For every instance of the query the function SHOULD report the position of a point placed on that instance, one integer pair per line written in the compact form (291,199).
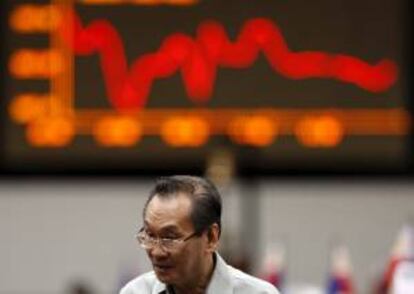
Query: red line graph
(199,58)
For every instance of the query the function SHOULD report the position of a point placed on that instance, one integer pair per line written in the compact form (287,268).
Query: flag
(402,251)
(340,280)
(273,265)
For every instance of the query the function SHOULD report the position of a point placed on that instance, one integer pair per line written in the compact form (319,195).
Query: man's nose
(157,251)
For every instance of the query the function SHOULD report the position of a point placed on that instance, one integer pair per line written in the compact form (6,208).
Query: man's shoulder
(141,284)
(246,283)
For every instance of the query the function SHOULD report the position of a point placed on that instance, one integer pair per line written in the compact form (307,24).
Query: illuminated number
(255,130)
(27,107)
(139,2)
(117,131)
(50,132)
(185,131)
(35,64)
(34,18)
(102,2)
(319,131)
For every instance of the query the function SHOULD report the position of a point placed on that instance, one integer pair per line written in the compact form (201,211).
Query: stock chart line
(199,58)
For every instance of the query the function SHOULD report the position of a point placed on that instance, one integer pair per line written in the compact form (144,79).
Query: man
(181,231)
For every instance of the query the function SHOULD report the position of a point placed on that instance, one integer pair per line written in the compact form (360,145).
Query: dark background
(370,30)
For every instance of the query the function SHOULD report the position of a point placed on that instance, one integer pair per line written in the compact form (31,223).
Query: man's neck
(199,287)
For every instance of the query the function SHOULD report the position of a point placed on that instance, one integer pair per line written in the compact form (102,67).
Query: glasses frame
(166,244)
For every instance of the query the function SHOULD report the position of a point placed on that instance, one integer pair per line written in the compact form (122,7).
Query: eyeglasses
(167,244)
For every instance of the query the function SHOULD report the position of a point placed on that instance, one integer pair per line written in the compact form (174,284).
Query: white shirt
(225,280)
(403,279)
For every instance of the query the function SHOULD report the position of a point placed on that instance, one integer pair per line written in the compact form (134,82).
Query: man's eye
(149,234)
(171,237)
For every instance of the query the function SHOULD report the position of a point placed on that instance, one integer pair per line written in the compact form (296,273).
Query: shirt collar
(220,280)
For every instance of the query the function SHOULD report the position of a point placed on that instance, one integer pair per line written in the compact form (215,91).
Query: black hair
(205,198)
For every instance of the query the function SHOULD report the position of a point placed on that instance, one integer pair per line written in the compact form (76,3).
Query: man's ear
(213,236)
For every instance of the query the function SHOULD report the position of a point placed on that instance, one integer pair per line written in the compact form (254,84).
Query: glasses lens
(143,240)
(148,242)
(169,244)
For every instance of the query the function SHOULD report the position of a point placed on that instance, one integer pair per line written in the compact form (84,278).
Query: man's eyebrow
(166,229)
(170,228)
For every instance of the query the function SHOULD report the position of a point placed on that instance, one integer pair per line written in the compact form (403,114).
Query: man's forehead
(179,202)
(171,211)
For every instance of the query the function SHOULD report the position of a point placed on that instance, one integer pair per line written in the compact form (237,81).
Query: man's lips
(162,267)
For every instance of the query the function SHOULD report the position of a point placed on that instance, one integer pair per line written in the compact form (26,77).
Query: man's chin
(164,275)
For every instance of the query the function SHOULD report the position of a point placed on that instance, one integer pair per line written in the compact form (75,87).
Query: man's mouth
(162,267)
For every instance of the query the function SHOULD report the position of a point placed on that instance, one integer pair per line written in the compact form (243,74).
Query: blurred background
(300,112)
(55,234)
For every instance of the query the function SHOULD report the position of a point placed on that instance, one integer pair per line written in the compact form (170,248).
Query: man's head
(182,225)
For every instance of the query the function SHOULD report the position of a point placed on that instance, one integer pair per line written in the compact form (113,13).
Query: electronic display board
(142,86)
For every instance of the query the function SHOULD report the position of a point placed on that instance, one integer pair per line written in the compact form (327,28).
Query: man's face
(170,218)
